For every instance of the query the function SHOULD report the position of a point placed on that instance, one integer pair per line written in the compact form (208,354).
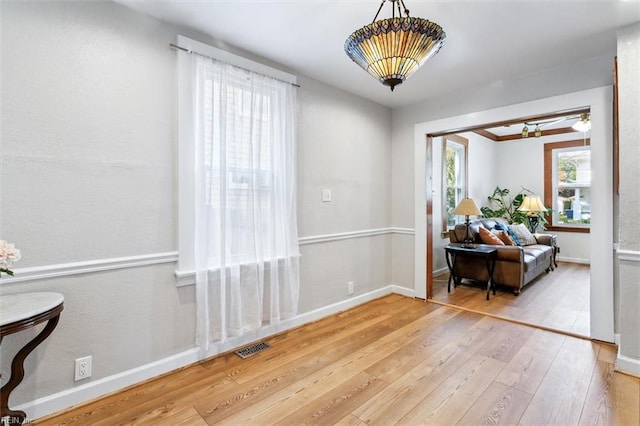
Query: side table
(20,312)
(489,254)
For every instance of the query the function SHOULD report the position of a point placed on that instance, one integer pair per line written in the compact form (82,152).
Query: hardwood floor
(558,299)
(394,360)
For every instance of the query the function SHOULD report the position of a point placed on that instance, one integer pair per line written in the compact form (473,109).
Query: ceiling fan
(582,124)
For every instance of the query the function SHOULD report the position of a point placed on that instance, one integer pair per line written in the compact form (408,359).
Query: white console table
(19,312)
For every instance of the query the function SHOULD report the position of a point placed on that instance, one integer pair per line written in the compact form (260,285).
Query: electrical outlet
(83,368)
(350,287)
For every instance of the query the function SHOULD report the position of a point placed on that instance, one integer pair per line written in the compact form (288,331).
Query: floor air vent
(252,350)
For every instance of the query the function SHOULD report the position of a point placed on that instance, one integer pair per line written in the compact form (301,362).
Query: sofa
(516,265)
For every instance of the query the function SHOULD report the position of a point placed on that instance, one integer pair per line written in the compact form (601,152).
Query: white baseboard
(80,394)
(574,260)
(441,271)
(66,399)
(305,318)
(409,292)
(628,365)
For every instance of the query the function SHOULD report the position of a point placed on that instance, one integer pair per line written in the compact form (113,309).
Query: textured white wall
(89,163)
(343,146)
(629,119)
(484,166)
(629,199)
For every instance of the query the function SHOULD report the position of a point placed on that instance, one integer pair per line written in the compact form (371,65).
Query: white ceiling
(487,40)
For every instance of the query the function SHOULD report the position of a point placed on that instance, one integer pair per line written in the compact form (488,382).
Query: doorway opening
(572,268)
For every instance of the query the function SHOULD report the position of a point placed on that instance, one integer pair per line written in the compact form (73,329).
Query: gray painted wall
(89,166)
(629,197)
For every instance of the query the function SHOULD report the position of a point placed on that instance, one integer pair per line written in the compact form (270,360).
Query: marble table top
(16,307)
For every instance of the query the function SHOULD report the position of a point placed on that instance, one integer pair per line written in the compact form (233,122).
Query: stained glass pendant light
(393,49)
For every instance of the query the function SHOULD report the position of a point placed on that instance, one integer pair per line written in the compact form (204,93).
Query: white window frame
(185,272)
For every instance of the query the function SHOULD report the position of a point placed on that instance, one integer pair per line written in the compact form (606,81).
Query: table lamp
(467,207)
(532,205)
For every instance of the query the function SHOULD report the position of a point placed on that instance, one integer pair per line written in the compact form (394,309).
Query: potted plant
(502,204)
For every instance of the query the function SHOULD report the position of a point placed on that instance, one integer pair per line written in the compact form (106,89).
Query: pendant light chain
(406,11)
(378,13)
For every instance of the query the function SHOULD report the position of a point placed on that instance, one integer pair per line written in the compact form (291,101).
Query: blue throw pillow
(514,236)
(502,227)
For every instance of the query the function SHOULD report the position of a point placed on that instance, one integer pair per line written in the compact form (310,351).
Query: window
(239,171)
(567,177)
(454,179)
(236,160)
(238,236)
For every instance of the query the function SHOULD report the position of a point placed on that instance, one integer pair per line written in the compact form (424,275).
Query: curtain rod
(184,49)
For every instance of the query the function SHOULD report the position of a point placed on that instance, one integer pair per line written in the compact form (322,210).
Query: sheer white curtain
(246,239)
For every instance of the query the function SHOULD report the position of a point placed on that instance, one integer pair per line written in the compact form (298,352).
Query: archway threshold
(516,321)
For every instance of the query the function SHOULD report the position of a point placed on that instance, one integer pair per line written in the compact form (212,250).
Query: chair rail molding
(628,255)
(353,234)
(183,277)
(86,267)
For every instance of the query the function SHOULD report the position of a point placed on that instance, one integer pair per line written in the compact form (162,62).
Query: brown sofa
(516,266)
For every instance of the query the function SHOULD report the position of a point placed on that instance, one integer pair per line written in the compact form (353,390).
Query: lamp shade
(467,207)
(532,203)
(393,49)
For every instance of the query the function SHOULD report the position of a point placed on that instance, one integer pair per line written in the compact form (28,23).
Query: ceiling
(487,41)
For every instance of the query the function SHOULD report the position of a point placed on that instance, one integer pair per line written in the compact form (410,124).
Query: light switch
(326,195)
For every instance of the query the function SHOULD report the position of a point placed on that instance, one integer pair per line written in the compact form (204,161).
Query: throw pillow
(514,238)
(504,237)
(500,226)
(488,238)
(525,237)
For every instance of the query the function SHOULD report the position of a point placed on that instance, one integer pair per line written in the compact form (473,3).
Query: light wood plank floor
(394,360)
(558,299)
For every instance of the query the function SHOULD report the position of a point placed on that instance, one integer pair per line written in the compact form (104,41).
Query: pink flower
(8,256)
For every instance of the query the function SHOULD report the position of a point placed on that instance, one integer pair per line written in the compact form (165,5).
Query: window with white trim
(236,141)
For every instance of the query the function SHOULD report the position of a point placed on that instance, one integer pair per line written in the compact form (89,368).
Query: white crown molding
(80,394)
(90,266)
